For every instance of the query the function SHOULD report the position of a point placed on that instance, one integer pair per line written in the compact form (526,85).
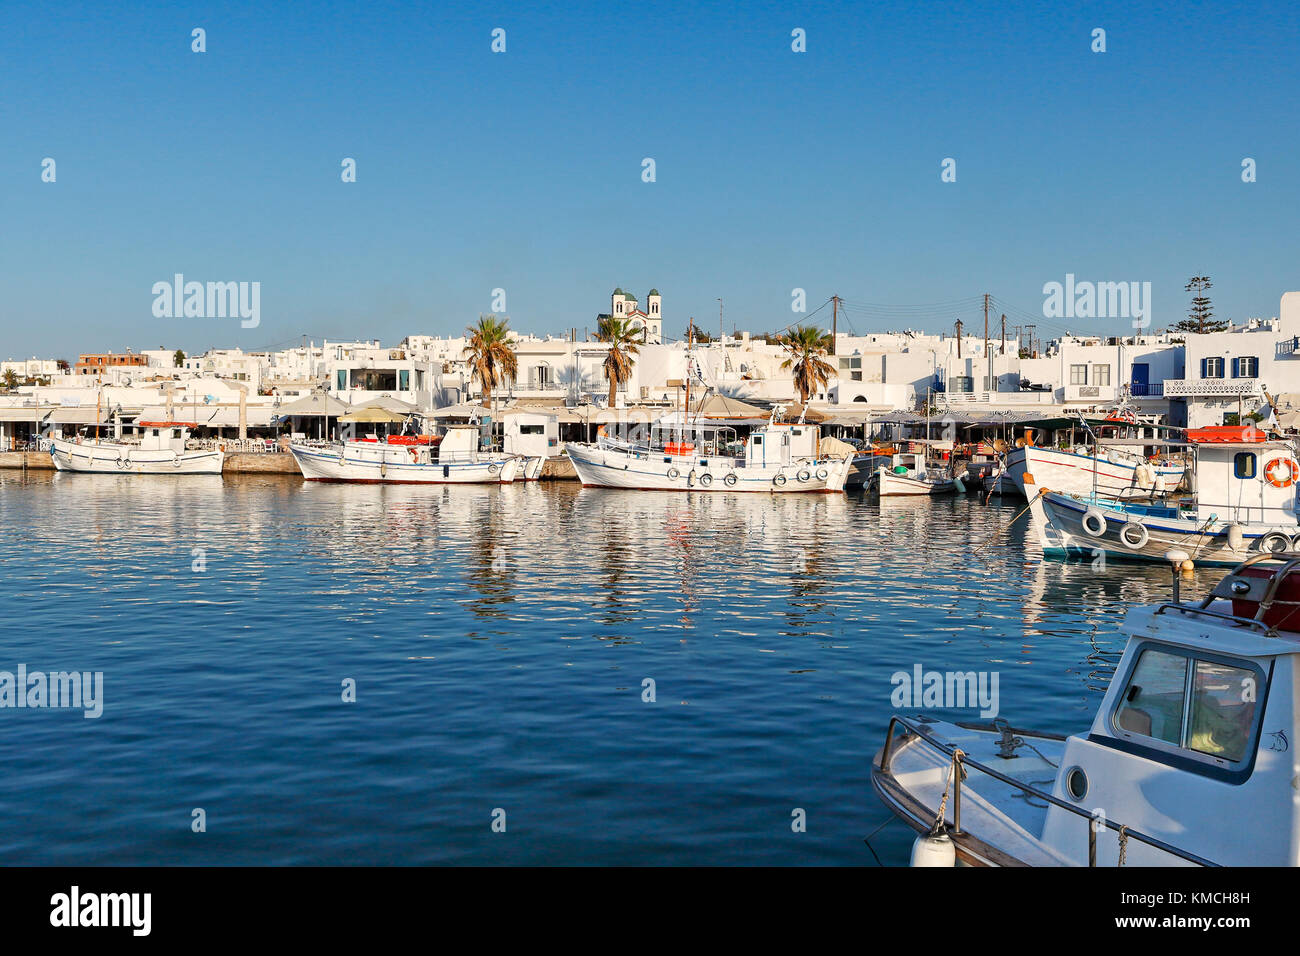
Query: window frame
(1079,374)
(1177,754)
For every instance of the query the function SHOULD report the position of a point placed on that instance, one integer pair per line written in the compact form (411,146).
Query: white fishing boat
(1244,504)
(777,458)
(1116,458)
(452,458)
(162,449)
(1187,761)
(908,473)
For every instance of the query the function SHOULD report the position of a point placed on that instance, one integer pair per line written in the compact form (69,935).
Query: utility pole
(1004,333)
(988,359)
(959,327)
(721,334)
(1030,330)
(835,320)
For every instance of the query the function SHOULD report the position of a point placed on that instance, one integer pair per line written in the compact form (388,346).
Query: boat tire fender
(1094,522)
(731,479)
(1131,528)
(1274,541)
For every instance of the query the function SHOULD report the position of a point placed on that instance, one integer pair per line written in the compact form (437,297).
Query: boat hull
(1033,467)
(1059,521)
(388,467)
(111,458)
(890,485)
(613,468)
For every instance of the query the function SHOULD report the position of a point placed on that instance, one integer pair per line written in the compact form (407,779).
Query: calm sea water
(499,640)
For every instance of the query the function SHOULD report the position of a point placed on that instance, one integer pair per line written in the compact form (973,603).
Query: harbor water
(543,674)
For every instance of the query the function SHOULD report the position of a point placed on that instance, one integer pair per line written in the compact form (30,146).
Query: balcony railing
(1220,387)
(1147,389)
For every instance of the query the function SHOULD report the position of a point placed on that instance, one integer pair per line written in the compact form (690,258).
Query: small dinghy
(908,474)
(1194,731)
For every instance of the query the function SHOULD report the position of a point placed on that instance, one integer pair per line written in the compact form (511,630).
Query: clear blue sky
(522,170)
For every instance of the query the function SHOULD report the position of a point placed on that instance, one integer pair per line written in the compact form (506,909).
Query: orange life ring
(1281,472)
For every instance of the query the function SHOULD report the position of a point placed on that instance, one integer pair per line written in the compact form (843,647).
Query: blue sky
(522,170)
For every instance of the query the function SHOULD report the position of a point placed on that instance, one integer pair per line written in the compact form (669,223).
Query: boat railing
(1093,821)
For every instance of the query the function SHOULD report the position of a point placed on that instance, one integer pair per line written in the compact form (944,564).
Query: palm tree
(807,345)
(10,379)
(623,338)
(490,353)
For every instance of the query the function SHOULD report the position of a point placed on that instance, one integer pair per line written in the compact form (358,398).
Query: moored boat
(1195,729)
(907,473)
(453,458)
(777,458)
(163,449)
(1244,504)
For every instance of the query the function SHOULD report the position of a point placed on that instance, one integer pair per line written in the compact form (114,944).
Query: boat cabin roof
(1253,612)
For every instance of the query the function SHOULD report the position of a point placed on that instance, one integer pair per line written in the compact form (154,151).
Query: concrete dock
(254,463)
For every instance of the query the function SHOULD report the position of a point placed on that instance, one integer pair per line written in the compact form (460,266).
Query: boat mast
(690,345)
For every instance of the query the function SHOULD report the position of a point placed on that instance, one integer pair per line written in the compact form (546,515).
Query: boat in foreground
(777,458)
(453,458)
(1187,761)
(161,450)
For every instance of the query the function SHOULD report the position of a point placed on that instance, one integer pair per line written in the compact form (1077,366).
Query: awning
(317,403)
(74,415)
(22,414)
(209,416)
(372,415)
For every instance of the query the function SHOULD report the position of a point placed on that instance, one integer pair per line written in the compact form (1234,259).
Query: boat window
(1201,706)
(1153,701)
(1243,464)
(1223,710)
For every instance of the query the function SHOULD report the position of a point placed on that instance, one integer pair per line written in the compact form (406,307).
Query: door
(1141,378)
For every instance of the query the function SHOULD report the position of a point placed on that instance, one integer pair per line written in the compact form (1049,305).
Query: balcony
(1211,387)
(1147,389)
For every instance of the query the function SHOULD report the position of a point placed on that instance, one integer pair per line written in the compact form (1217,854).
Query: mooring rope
(954,769)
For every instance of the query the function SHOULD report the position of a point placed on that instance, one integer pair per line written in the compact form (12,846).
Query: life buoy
(1275,542)
(1295,543)
(804,475)
(1280,472)
(1094,522)
(493,468)
(1126,535)
(778,480)
(705,480)
(731,478)
(121,462)
(821,474)
(674,474)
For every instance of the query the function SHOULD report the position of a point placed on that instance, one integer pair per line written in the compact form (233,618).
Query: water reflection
(500,635)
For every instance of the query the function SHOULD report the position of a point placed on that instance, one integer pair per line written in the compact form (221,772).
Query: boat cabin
(1244,478)
(163,436)
(531,435)
(1192,743)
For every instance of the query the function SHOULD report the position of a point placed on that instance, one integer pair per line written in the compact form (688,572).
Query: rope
(953,770)
(1123,845)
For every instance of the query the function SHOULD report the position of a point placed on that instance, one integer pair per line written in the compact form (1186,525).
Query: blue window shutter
(1236,368)
(1204,362)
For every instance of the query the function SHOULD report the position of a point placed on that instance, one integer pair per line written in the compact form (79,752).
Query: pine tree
(1200,317)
